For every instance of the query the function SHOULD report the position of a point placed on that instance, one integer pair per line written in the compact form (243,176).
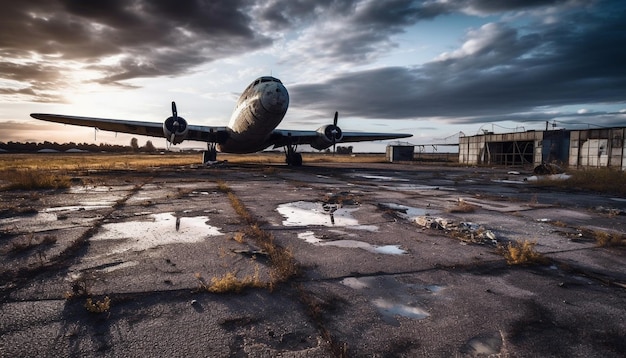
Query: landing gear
(292,157)
(210,155)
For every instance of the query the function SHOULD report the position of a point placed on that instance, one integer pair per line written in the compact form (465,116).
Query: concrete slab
(372,284)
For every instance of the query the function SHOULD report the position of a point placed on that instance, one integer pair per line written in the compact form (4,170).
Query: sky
(436,69)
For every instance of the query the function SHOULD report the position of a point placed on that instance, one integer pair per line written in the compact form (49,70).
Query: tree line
(33,147)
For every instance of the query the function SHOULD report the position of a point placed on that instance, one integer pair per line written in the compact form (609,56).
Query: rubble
(465,231)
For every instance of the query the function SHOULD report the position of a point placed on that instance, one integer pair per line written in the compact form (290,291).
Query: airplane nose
(275,98)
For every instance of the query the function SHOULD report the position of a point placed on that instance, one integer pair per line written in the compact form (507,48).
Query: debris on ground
(548,169)
(341,198)
(561,176)
(464,231)
(251,252)
(610,211)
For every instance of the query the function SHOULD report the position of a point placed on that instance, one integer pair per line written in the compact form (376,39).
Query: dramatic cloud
(517,59)
(119,40)
(497,70)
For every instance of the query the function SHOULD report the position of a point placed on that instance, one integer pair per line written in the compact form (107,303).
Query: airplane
(252,127)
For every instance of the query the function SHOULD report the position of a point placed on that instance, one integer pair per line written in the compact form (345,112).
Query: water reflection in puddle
(380,177)
(393,298)
(388,308)
(310,237)
(306,213)
(161,229)
(81,206)
(407,212)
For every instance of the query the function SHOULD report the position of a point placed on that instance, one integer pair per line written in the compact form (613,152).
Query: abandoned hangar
(574,148)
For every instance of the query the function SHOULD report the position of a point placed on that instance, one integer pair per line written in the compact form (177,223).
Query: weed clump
(98,306)
(283,264)
(607,239)
(34,179)
(521,253)
(230,283)
(603,180)
(30,242)
(239,237)
(223,187)
(462,207)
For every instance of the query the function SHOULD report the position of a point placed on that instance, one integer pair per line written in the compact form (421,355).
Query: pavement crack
(17,279)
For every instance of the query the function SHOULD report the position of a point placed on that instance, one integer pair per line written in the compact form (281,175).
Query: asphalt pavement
(390,260)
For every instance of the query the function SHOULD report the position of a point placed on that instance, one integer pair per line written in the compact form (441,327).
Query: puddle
(380,177)
(393,298)
(306,213)
(548,177)
(388,308)
(91,189)
(159,230)
(407,212)
(86,205)
(29,220)
(416,187)
(310,237)
(509,181)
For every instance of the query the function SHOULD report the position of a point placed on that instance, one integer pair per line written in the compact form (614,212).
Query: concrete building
(575,148)
(399,151)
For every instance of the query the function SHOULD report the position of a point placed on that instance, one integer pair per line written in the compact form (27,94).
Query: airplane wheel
(294,159)
(209,156)
(297,160)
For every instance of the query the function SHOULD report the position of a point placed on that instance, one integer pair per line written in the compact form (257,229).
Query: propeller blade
(174,112)
(335,131)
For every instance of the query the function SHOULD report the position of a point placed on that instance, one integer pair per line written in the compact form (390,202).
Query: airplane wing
(198,133)
(317,139)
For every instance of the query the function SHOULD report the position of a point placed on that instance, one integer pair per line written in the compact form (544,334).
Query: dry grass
(240,208)
(602,180)
(94,161)
(222,187)
(239,237)
(110,161)
(230,283)
(33,179)
(462,207)
(283,264)
(607,239)
(559,223)
(521,253)
(30,242)
(98,306)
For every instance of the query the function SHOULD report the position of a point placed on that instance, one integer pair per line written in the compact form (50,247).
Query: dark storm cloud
(500,70)
(492,6)
(348,31)
(152,38)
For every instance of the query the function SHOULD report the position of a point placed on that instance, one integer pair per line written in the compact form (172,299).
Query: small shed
(400,151)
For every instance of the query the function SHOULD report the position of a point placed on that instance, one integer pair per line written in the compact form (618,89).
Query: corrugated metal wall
(579,148)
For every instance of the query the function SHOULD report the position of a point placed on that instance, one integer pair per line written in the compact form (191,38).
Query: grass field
(85,161)
(32,171)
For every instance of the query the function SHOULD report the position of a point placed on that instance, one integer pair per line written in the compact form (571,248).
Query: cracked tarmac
(374,283)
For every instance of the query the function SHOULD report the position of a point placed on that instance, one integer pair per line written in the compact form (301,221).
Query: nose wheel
(292,158)
(210,155)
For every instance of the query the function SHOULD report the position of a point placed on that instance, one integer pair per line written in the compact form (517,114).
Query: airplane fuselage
(259,110)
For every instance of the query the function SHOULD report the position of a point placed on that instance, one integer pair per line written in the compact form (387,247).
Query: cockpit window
(267,79)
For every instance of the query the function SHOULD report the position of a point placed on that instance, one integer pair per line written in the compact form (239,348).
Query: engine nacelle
(175,129)
(327,136)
